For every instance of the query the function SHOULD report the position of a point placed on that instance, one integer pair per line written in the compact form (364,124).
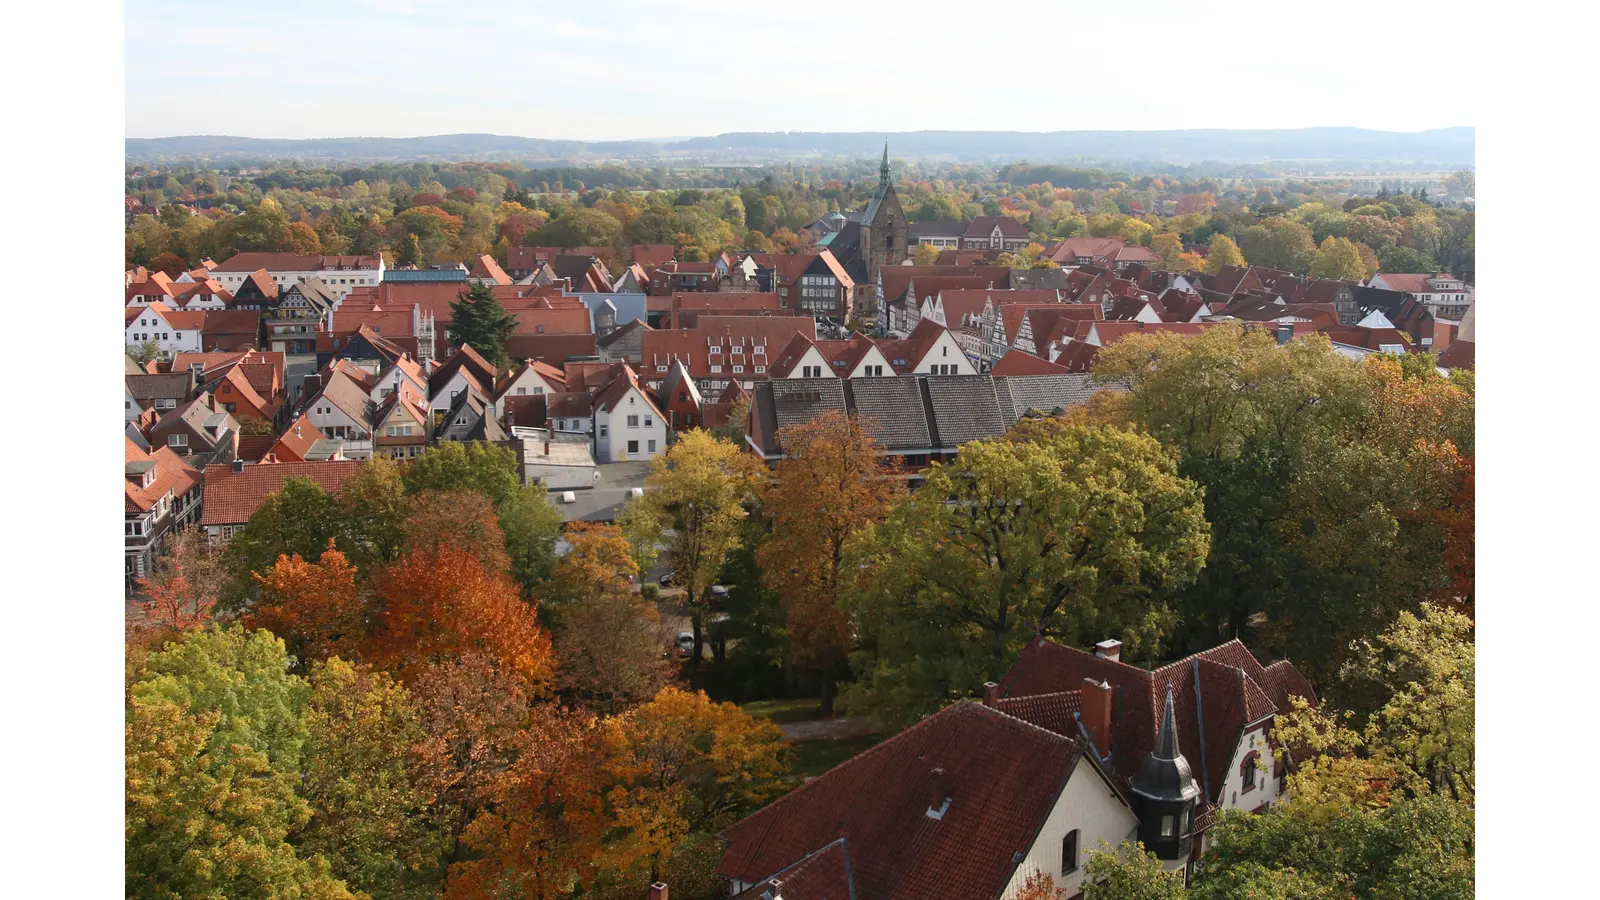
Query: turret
(1165,793)
(883,170)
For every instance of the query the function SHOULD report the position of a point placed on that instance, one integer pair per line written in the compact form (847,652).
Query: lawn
(815,757)
(801,709)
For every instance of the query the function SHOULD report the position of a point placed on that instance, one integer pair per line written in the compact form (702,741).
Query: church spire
(884,169)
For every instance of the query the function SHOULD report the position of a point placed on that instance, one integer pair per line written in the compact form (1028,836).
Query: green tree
(372,818)
(1168,250)
(264,226)
(213,754)
(477,318)
(454,466)
(410,253)
(693,503)
(1076,531)
(1279,243)
(1320,477)
(580,227)
(1223,252)
(146,351)
(1129,872)
(1394,258)
(531,525)
(373,502)
(1338,258)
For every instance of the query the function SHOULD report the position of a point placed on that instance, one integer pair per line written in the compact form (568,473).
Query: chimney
(658,891)
(1110,648)
(938,794)
(1094,712)
(238,465)
(991,693)
(546,448)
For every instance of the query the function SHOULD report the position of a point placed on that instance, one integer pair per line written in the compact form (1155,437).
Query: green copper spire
(884,170)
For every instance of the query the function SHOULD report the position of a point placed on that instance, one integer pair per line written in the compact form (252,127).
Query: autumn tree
(1039,886)
(1222,252)
(1338,258)
(457,520)
(182,590)
(316,608)
(925,254)
(1078,533)
(477,318)
(373,817)
(301,238)
(445,604)
(301,518)
(1168,250)
(687,764)
(541,830)
(733,427)
(214,743)
(168,262)
(693,503)
(832,486)
(610,641)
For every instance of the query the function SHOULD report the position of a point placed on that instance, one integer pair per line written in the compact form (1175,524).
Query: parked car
(685,643)
(719,592)
(669,578)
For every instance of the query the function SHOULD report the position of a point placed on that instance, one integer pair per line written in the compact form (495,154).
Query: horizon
(620,68)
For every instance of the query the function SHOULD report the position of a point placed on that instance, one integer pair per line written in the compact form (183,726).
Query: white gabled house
(173,331)
(343,409)
(628,425)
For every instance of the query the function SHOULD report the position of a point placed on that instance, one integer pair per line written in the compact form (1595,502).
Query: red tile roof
(171,474)
(1459,355)
(294,262)
(485,267)
(231,498)
(552,348)
(984,226)
(1235,690)
(769,334)
(1018,362)
(1002,777)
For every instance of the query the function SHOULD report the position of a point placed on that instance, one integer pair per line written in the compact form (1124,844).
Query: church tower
(883,225)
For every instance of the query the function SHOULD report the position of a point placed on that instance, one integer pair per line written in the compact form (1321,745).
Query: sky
(627,69)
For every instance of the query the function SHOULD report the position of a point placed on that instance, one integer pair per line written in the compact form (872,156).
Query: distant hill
(1442,147)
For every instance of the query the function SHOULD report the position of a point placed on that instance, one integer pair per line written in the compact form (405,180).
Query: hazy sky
(612,69)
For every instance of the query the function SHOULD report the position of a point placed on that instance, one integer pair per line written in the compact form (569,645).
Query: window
(760,369)
(521,390)
(1183,822)
(652,446)
(633,421)
(604,429)
(1069,852)
(649,422)
(133,529)
(177,440)
(633,446)
(716,370)
(1248,771)
(1166,826)
(738,370)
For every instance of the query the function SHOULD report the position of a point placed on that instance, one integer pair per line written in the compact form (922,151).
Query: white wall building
(627,425)
(174,331)
(341,274)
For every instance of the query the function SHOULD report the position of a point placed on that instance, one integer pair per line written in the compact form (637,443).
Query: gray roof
(1038,279)
(937,228)
(965,408)
(151,387)
(895,410)
(1046,393)
(799,400)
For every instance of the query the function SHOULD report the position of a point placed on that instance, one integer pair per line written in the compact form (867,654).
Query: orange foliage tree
(445,604)
(687,764)
(316,607)
(543,829)
(831,486)
(181,591)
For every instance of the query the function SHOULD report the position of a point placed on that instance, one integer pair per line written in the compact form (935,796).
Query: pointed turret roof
(884,169)
(1164,774)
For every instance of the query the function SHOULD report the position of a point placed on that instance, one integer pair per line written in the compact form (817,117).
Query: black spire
(1164,774)
(1167,739)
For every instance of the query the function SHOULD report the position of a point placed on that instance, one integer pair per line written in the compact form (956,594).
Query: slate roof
(1001,775)
(965,408)
(231,498)
(945,228)
(983,226)
(895,412)
(1046,393)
